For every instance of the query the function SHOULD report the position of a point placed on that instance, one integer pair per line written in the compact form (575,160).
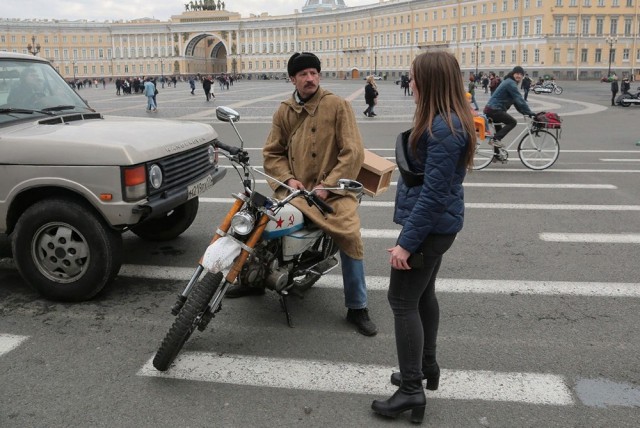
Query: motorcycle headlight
(242,222)
(155,176)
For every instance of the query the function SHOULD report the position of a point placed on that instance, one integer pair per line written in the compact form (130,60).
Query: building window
(598,57)
(585,26)
(557,26)
(525,56)
(614,27)
(625,54)
(599,26)
(536,55)
(584,55)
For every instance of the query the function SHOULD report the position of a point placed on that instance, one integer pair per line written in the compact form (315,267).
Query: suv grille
(183,168)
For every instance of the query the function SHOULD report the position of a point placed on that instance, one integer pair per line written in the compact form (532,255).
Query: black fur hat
(302,61)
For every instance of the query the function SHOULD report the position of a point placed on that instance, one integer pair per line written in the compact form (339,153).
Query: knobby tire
(187,320)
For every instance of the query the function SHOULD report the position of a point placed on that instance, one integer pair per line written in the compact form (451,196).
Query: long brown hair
(437,79)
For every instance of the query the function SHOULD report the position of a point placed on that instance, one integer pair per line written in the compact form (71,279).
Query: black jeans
(498,116)
(412,297)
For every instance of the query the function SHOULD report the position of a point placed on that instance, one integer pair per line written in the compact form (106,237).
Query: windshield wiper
(58,108)
(25,111)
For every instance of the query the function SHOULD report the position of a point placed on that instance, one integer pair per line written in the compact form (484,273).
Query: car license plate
(200,187)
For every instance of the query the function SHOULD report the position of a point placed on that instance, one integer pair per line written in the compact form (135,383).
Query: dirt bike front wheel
(187,320)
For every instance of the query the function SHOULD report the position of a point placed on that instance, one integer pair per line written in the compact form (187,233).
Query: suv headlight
(155,176)
(242,222)
(213,155)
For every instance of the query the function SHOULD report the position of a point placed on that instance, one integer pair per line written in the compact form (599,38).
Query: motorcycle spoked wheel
(187,320)
(328,248)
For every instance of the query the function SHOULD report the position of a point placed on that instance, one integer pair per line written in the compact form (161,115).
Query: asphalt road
(538,296)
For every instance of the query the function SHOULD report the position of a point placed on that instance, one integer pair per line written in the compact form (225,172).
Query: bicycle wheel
(539,149)
(483,155)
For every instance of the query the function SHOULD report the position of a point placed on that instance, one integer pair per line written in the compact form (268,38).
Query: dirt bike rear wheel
(187,320)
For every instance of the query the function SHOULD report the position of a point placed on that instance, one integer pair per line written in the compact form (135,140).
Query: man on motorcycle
(502,99)
(314,142)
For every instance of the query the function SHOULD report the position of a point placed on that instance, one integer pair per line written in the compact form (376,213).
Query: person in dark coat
(370,96)
(526,85)
(441,145)
(206,86)
(614,87)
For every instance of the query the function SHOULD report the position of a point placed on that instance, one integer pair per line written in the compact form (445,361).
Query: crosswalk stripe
(9,342)
(444,285)
(600,238)
(483,205)
(531,388)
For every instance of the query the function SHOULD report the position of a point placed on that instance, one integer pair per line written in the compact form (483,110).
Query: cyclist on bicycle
(506,95)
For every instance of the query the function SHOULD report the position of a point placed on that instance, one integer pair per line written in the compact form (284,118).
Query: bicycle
(538,148)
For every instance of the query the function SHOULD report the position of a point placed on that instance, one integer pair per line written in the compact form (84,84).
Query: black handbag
(410,178)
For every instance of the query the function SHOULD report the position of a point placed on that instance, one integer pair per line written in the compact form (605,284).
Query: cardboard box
(375,173)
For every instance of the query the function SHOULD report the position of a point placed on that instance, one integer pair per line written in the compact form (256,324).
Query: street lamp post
(610,41)
(73,63)
(375,62)
(162,71)
(477,45)
(32,47)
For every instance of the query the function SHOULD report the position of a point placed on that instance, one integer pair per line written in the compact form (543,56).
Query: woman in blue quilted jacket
(440,145)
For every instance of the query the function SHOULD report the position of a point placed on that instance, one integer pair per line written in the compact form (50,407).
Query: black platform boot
(430,372)
(410,396)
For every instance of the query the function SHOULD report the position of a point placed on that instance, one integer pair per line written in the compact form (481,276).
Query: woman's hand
(398,257)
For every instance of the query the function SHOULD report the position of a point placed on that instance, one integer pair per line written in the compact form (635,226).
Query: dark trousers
(498,116)
(526,93)
(613,97)
(416,314)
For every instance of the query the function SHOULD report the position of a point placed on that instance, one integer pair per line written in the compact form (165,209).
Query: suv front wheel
(65,251)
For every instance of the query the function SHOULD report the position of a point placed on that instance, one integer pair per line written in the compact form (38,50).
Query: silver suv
(72,180)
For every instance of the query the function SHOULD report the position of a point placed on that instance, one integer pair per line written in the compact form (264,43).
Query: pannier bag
(548,120)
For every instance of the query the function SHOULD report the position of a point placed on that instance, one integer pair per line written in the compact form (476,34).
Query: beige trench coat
(323,148)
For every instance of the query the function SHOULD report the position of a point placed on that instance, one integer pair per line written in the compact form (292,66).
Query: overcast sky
(101,10)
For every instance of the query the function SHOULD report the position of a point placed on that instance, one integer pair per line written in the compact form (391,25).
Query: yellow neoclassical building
(569,39)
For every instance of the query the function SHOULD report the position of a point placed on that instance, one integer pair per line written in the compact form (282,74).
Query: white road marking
(620,160)
(482,205)
(477,286)
(523,185)
(9,342)
(317,375)
(596,238)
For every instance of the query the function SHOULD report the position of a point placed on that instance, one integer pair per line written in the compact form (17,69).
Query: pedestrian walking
(370,96)
(150,91)
(206,86)
(192,85)
(472,90)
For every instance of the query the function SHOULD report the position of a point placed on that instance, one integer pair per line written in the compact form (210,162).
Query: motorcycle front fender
(221,254)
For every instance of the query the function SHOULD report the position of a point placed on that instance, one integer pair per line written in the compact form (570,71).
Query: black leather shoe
(430,372)
(242,290)
(410,396)
(360,318)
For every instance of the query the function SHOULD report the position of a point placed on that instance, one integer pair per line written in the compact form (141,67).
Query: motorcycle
(626,99)
(546,88)
(261,242)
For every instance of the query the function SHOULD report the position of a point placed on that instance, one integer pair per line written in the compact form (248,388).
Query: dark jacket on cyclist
(501,101)
(441,157)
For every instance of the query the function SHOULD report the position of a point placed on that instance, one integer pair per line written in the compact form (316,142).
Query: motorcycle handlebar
(229,149)
(321,204)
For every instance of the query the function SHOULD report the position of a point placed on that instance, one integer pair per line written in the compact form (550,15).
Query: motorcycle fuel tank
(288,220)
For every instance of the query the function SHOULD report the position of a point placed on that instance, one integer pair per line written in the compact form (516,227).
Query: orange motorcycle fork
(223,228)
